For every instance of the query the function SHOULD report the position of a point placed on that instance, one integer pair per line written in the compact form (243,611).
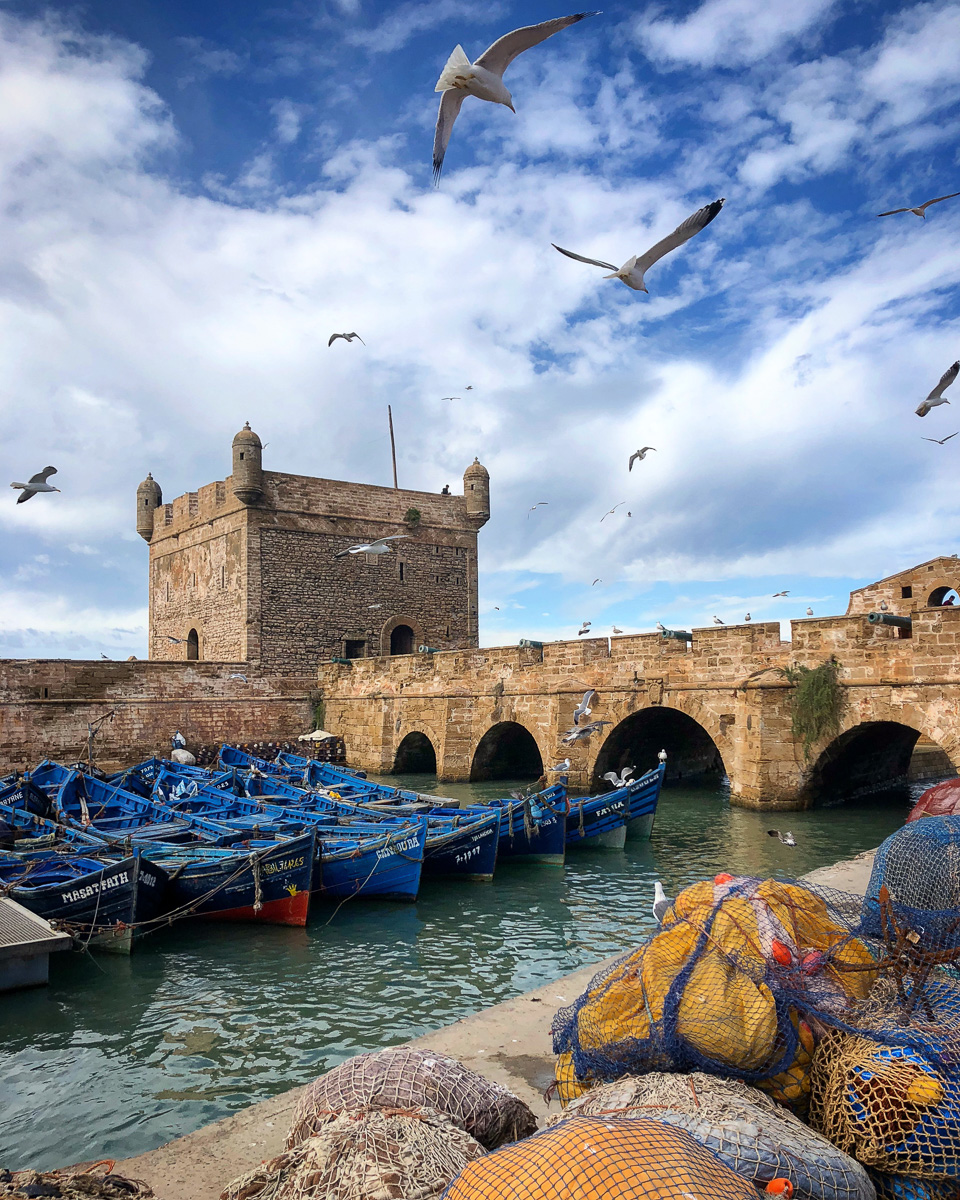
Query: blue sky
(193,196)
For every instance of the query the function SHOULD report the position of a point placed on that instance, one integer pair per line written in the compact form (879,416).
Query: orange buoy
(781,953)
(723,877)
(779,1187)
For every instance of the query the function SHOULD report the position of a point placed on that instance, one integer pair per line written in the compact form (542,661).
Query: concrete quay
(508,1043)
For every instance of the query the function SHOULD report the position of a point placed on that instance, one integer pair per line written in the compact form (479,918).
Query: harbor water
(119,1055)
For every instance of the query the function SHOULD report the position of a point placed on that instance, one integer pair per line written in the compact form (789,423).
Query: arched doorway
(506,751)
(870,757)
(942,596)
(637,740)
(416,756)
(193,644)
(401,640)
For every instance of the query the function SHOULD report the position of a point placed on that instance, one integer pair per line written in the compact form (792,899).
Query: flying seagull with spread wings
(534,507)
(634,269)
(378,547)
(940,441)
(583,709)
(920,210)
(639,455)
(36,483)
(347,337)
(611,511)
(936,396)
(484,78)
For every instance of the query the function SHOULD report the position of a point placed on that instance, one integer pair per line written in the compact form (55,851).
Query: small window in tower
(436,549)
(223,576)
(241,456)
(906,593)
(45,693)
(167,597)
(193,645)
(471,487)
(436,579)
(354,648)
(146,503)
(400,571)
(447,634)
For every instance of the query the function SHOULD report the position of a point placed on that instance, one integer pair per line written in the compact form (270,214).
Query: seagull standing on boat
(484,78)
(639,456)
(583,709)
(36,483)
(787,838)
(936,396)
(378,547)
(633,270)
(660,902)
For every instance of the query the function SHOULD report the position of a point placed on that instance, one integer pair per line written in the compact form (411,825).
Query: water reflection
(117,1056)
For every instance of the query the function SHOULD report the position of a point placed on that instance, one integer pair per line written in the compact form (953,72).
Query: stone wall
(728,680)
(46,704)
(920,583)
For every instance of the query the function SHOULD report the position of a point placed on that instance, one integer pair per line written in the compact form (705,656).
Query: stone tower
(149,499)
(251,569)
(247,466)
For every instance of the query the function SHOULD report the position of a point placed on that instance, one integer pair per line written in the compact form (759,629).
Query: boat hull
(541,840)
(643,796)
(387,869)
(469,852)
(598,822)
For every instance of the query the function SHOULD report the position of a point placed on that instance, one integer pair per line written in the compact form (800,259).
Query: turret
(476,492)
(247,469)
(149,499)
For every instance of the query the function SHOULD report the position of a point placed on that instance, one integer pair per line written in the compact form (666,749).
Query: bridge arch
(416,755)
(870,755)
(508,750)
(637,740)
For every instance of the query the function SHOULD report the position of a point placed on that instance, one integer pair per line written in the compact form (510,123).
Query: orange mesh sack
(746,1130)
(406,1078)
(601,1158)
(372,1155)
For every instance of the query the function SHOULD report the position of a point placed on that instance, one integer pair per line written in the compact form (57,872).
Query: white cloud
(729,32)
(419,16)
(287,116)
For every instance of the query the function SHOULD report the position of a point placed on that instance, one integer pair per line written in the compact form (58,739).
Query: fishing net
(601,1158)
(737,982)
(743,1127)
(899,1187)
(919,866)
(71,1185)
(383,1154)
(407,1078)
(893,1098)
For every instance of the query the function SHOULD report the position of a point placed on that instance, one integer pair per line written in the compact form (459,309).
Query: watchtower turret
(476,492)
(149,499)
(247,468)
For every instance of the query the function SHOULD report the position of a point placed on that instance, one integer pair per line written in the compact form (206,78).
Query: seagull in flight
(935,397)
(451,397)
(783,593)
(484,78)
(176,641)
(596,581)
(468,388)
(717,621)
(940,441)
(660,902)
(584,628)
(583,709)
(237,675)
(378,547)
(36,483)
(920,210)
(534,507)
(633,270)
(347,337)
(582,732)
(787,838)
(639,454)
(612,511)
(621,780)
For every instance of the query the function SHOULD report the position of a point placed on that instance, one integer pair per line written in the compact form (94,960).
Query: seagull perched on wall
(717,621)
(639,456)
(633,270)
(583,709)
(347,337)
(36,483)
(561,768)
(809,611)
(662,627)
(378,547)
(936,396)
(660,902)
(920,210)
(484,78)
(787,838)
(748,617)
(616,630)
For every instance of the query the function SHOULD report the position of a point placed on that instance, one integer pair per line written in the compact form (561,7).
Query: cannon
(347,662)
(529,644)
(879,618)
(676,635)
(427,649)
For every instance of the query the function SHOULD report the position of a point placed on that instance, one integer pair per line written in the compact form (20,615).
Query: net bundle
(899,1187)
(601,1158)
(409,1078)
(71,1185)
(382,1154)
(743,1127)
(738,981)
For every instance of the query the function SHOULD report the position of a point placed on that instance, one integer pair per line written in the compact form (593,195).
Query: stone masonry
(726,686)
(245,569)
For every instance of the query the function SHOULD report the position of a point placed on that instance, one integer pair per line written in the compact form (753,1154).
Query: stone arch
(508,750)
(942,595)
(404,622)
(193,645)
(692,751)
(415,755)
(868,756)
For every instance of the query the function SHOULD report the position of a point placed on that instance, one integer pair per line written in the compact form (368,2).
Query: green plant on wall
(412,516)
(818,702)
(319,714)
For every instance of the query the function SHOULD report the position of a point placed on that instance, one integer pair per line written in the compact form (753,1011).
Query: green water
(119,1055)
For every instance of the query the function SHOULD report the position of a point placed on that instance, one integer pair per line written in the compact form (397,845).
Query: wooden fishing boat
(532,829)
(643,796)
(598,822)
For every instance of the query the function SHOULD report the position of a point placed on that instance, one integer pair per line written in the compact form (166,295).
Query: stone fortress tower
(245,569)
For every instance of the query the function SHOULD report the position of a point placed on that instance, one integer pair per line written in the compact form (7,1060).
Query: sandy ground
(509,1043)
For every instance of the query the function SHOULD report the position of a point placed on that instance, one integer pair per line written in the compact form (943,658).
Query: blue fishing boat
(532,828)
(366,862)
(643,796)
(599,822)
(100,903)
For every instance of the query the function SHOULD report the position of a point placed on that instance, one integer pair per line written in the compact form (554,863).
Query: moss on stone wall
(817,703)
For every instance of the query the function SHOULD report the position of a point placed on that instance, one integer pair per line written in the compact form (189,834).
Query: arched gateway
(416,755)
(507,751)
(637,740)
